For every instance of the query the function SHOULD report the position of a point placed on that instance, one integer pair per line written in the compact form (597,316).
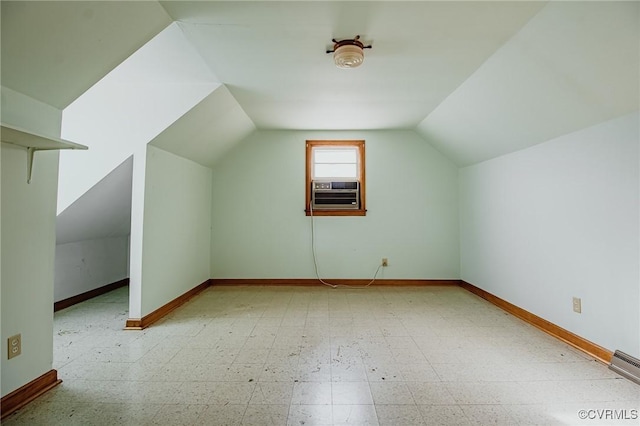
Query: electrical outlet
(15,346)
(577,305)
(385,261)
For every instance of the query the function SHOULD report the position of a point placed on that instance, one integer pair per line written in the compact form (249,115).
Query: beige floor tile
(272,393)
(361,415)
(242,373)
(394,415)
(348,372)
(222,415)
(279,372)
(178,414)
(488,415)
(315,415)
(306,355)
(252,356)
(391,393)
(351,393)
(314,372)
(311,393)
(430,393)
(444,415)
(419,372)
(266,415)
(386,371)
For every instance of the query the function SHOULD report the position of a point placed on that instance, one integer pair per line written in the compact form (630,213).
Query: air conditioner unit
(332,195)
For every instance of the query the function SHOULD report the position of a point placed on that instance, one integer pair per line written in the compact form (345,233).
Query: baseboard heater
(626,366)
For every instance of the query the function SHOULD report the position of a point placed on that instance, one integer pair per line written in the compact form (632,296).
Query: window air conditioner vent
(335,195)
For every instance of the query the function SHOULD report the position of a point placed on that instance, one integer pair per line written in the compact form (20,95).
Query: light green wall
(177,223)
(28,213)
(27,113)
(259,229)
(28,250)
(560,220)
(86,265)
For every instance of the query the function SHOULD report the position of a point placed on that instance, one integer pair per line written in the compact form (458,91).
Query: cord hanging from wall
(315,261)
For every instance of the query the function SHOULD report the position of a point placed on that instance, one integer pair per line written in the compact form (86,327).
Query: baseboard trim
(27,393)
(340,281)
(580,343)
(74,300)
(147,320)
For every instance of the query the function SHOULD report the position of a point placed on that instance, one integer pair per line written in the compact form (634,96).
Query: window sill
(359,212)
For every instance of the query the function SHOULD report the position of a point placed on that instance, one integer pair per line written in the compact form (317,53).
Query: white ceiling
(572,66)
(136,101)
(272,56)
(476,79)
(208,130)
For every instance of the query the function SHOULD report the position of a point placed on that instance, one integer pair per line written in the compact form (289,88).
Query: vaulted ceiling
(272,56)
(475,79)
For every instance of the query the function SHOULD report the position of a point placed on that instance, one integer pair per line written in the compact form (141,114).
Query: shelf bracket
(30,151)
(30,156)
(33,142)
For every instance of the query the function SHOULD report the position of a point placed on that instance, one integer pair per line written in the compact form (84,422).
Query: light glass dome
(348,56)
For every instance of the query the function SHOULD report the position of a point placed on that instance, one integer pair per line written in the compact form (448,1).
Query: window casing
(335,160)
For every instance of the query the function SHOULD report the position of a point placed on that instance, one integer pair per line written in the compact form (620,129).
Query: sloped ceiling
(135,102)
(207,130)
(475,79)
(271,56)
(103,211)
(575,64)
(54,51)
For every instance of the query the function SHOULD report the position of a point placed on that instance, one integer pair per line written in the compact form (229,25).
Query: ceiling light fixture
(348,53)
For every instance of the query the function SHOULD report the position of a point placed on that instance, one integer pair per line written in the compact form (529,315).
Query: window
(335,161)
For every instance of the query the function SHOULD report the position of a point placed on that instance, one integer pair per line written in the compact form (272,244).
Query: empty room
(320,213)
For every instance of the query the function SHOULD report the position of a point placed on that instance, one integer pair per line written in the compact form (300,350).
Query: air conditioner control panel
(326,185)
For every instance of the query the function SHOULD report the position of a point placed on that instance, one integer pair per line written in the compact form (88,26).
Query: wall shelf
(34,142)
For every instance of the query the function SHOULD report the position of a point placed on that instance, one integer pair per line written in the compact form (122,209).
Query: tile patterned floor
(321,356)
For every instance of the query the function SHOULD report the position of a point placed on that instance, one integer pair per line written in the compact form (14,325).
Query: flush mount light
(348,53)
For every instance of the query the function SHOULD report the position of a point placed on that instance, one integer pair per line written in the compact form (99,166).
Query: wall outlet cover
(577,305)
(14,344)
